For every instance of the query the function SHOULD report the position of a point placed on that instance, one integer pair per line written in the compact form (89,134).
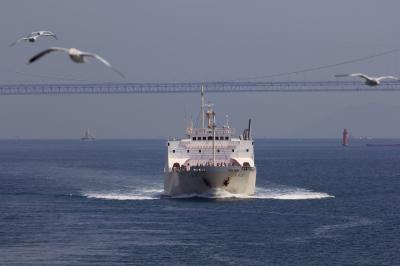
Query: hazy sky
(151,41)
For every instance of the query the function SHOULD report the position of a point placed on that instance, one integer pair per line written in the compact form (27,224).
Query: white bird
(33,37)
(370,81)
(76,55)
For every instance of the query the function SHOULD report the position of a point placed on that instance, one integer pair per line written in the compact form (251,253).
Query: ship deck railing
(207,131)
(209,145)
(203,168)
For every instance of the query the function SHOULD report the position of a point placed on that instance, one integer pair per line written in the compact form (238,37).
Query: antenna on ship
(202,106)
(226,121)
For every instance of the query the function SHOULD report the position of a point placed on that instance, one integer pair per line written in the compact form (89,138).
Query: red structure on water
(345,138)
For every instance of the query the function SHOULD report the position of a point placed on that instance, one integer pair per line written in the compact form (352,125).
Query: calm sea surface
(101,203)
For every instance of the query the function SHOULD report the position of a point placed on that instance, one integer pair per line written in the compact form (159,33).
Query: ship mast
(202,106)
(213,139)
(211,125)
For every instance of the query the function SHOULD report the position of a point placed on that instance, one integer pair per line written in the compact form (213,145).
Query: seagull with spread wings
(76,55)
(34,36)
(370,81)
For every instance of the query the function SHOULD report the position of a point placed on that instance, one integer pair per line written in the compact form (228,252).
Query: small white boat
(87,136)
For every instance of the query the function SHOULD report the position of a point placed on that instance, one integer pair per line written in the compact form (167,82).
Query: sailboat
(87,136)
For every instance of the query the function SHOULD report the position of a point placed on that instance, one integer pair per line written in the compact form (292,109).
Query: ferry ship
(210,160)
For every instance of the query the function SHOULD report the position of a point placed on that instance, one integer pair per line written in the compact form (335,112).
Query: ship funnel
(249,130)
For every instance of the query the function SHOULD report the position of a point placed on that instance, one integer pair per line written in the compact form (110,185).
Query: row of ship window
(210,138)
(173,151)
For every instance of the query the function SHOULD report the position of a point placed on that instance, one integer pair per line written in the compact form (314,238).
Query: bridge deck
(194,87)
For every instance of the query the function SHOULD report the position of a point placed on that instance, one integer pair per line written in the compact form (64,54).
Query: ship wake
(148,193)
(263,193)
(136,194)
(289,193)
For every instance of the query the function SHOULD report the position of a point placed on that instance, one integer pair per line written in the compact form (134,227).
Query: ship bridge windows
(210,138)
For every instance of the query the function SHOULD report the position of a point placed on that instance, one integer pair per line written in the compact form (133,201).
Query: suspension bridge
(194,87)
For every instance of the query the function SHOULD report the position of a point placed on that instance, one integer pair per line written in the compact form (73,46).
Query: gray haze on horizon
(177,41)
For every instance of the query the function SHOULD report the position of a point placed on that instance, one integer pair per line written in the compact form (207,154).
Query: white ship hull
(210,160)
(235,180)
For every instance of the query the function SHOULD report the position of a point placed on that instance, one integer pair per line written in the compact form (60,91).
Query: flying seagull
(33,36)
(370,81)
(76,55)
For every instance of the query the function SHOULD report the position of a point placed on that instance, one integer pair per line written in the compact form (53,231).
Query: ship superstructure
(210,159)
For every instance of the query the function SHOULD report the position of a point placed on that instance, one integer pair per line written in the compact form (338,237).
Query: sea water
(70,202)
